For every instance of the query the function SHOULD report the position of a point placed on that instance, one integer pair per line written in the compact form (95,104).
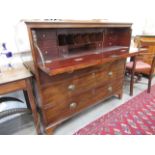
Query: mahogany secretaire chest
(76,64)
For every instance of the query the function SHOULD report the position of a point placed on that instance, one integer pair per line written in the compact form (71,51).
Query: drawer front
(68,107)
(76,103)
(63,90)
(110,89)
(110,38)
(83,83)
(110,72)
(47,34)
(56,92)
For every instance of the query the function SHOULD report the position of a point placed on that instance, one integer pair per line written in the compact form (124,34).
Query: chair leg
(149,84)
(131,85)
(132,75)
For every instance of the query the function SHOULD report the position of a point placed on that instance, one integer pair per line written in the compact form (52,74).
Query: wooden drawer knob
(73,105)
(110,89)
(71,87)
(110,73)
(110,43)
(99,45)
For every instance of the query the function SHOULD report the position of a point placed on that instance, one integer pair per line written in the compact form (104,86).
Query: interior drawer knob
(110,73)
(73,105)
(93,74)
(71,87)
(110,89)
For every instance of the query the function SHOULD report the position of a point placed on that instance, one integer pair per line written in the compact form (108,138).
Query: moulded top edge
(75,23)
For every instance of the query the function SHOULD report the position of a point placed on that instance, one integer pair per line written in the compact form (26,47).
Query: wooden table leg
(27,99)
(33,105)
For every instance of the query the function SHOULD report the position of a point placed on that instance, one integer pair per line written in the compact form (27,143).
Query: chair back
(152,65)
(145,42)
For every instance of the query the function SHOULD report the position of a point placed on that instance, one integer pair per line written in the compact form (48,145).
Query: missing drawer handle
(110,73)
(71,87)
(73,105)
(110,89)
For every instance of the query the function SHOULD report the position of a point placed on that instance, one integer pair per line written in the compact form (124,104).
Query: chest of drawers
(80,90)
(76,64)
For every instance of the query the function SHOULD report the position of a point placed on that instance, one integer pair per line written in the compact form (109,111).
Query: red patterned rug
(135,117)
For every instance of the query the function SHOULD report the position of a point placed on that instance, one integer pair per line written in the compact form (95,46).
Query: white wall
(139,12)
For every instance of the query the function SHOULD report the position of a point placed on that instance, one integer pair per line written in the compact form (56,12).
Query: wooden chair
(137,66)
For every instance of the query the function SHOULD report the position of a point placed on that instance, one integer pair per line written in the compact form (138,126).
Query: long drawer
(64,89)
(79,83)
(67,108)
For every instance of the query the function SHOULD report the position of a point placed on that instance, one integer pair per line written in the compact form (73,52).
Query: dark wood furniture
(137,66)
(19,78)
(76,64)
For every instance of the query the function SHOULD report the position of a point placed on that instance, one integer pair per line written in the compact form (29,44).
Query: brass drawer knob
(73,105)
(110,89)
(110,73)
(71,87)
